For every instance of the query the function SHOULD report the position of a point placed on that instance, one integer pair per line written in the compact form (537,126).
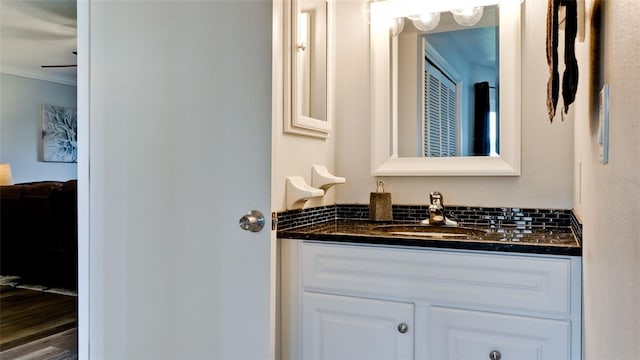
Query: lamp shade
(5,174)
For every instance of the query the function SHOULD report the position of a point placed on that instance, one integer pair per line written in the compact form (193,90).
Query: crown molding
(38,75)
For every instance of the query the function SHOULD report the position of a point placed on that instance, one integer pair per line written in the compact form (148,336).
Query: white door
(344,327)
(175,148)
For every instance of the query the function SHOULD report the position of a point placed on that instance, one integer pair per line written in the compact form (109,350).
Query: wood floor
(37,324)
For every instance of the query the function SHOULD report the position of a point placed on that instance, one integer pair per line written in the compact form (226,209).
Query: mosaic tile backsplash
(471,216)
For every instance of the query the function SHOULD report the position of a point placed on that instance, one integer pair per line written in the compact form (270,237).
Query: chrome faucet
(436,209)
(437,215)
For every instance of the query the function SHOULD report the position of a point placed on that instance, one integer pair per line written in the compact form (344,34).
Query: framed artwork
(59,134)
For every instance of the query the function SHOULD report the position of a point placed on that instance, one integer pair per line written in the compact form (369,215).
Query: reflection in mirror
(402,141)
(448,88)
(311,59)
(308,67)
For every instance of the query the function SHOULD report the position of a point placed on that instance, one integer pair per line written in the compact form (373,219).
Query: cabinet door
(342,327)
(463,334)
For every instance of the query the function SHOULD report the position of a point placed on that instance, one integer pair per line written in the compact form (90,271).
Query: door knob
(253,221)
(403,328)
(495,355)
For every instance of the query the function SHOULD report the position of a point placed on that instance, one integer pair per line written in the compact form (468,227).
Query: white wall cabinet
(342,301)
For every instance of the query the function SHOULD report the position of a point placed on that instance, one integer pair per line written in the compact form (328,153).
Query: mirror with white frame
(402,141)
(308,67)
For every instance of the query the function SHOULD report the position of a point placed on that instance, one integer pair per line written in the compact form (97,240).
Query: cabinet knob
(495,355)
(403,328)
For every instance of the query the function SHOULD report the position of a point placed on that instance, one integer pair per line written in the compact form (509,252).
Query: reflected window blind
(439,113)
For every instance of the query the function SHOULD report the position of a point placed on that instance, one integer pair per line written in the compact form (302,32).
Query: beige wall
(547,150)
(294,155)
(608,196)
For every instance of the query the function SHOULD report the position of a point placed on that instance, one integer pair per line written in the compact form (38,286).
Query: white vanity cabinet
(347,327)
(463,334)
(348,301)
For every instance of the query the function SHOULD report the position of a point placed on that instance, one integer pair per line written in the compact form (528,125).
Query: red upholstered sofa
(39,233)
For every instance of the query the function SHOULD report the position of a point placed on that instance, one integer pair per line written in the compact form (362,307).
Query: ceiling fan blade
(57,66)
(75,52)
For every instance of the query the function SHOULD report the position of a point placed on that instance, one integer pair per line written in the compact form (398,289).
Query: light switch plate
(603,125)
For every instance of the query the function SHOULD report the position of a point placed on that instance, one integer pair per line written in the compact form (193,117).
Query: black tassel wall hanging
(570,75)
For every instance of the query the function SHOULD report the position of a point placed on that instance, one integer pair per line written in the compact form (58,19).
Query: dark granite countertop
(537,240)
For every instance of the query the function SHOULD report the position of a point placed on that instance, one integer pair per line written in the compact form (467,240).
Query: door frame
(83,28)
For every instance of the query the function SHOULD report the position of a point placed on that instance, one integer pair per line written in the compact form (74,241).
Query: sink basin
(430,231)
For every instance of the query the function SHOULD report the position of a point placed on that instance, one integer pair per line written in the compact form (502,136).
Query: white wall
(547,150)
(21,126)
(608,196)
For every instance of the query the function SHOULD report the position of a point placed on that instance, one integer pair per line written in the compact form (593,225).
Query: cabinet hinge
(274,220)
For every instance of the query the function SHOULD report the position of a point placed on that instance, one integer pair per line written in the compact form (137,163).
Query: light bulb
(425,21)
(396,26)
(468,16)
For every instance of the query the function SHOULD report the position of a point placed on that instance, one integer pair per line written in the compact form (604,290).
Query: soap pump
(380,204)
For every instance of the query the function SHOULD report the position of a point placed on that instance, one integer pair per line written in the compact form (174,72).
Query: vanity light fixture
(427,17)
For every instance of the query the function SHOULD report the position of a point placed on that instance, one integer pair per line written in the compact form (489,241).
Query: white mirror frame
(294,121)
(384,147)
